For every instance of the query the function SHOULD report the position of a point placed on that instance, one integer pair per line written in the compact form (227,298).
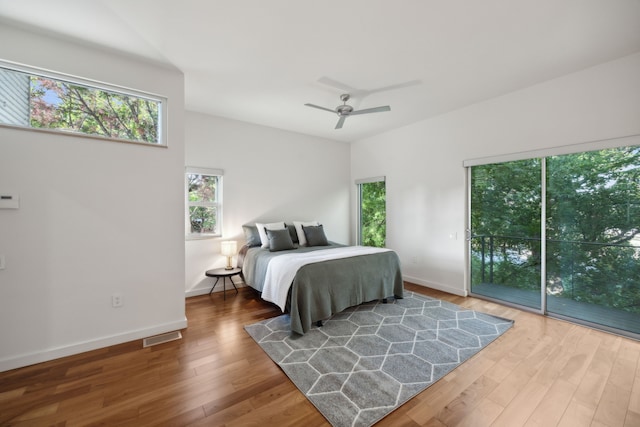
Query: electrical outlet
(2,262)
(117,300)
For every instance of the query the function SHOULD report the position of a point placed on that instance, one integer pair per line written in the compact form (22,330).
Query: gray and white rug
(368,360)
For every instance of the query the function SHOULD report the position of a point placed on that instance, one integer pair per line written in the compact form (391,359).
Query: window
(204,202)
(561,234)
(35,99)
(372,212)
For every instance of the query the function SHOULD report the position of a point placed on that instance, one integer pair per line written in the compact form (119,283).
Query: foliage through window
(204,202)
(373,214)
(43,102)
(591,203)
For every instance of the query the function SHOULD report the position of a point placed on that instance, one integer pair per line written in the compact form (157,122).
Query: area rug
(368,360)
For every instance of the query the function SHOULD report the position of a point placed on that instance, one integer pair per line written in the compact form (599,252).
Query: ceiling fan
(345,110)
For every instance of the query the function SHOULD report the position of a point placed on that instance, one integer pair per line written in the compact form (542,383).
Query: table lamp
(229,249)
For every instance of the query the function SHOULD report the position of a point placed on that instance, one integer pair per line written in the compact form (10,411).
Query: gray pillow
(293,233)
(251,235)
(315,235)
(279,240)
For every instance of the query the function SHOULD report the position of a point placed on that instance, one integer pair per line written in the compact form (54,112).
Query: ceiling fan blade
(356,93)
(395,86)
(340,122)
(336,84)
(371,110)
(321,108)
(361,93)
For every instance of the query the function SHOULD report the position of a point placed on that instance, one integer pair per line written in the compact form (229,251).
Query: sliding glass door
(584,264)
(593,240)
(505,231)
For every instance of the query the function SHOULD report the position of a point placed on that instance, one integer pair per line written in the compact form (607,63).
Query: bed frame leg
(384,300)
(319,323)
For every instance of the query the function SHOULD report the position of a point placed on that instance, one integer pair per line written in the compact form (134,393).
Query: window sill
(201,236)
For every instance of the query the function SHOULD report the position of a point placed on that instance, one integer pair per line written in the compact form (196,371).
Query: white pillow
(263,233)
(302,240)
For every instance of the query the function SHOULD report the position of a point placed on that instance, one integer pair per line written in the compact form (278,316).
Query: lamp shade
(228,248)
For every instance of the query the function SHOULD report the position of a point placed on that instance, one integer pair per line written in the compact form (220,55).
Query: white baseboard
(203,291)
(69,350)
(437,286)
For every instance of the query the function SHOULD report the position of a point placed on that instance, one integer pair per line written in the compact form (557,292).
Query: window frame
(161,101)
(217,204)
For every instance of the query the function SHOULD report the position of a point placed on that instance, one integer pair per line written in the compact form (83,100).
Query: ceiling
(260,61)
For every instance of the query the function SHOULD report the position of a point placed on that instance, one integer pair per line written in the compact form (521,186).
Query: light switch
(9,201)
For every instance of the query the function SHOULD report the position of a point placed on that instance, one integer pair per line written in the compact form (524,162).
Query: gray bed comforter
(325,288)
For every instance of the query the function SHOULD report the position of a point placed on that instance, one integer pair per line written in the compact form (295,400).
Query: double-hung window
(42,100)
(204,202)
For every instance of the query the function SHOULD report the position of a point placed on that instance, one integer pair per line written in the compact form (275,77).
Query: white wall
(95,218)
(426,201)
(269,175)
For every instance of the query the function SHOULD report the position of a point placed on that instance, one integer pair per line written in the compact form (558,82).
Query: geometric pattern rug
(367,360)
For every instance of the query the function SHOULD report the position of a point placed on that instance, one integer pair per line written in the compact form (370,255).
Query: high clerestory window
(37,99)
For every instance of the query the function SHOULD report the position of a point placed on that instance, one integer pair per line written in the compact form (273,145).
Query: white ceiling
(260,61)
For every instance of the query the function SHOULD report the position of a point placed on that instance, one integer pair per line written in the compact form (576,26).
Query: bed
(327,278)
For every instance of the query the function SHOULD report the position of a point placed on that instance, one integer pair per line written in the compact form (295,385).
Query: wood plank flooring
(542,372)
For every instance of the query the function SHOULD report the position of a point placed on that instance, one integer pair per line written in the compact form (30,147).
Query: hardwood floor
(542,372)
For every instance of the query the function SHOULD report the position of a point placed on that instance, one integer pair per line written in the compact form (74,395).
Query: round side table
(222,273)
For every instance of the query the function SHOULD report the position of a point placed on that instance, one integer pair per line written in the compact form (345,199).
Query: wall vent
(160,339)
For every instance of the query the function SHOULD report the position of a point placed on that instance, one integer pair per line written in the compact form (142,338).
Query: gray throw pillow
(251,235)
(279,240)
(315,235)
(293,233)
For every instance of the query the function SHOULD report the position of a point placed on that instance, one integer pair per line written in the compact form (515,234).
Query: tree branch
(91,112)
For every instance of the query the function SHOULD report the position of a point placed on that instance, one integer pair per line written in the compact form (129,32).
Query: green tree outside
(373,214)
(56,104)
(592,226)
(202,195)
